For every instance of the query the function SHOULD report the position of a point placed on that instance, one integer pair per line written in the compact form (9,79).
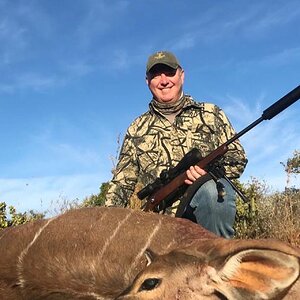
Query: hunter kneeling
(158,139)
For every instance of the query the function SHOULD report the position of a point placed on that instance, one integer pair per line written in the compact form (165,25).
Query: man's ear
(256,274)
(182,76)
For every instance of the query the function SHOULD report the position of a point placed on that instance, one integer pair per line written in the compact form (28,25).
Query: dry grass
(271,216)
(280,217)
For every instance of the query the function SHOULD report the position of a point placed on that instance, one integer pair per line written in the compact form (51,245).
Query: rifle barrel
(271,111)
(282,104)
(157,196)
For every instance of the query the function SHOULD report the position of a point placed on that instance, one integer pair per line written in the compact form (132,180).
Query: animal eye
(150,284)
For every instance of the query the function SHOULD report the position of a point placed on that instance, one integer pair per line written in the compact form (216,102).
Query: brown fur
(98,253)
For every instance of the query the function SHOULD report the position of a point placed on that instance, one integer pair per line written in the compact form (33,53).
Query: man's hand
(193,173)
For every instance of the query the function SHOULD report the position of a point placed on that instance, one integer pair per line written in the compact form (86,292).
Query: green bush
(271,215)
(98,199)
(265,215)
(12,218)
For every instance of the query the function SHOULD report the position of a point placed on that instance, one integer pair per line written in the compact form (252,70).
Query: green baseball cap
(162,57)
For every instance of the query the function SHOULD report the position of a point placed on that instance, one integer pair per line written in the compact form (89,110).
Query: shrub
(16,218)
(98,199)
(271,215)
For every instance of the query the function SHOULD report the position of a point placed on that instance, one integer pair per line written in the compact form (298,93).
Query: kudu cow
(118,253)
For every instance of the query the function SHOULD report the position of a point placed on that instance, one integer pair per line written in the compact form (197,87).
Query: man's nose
(163,78)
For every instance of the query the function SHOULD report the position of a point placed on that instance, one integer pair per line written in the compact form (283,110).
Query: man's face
(165,83)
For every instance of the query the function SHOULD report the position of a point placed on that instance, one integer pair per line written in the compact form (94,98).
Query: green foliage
(15,217)
(99,199)
(292,166)
(270,215)
(247,213)
(3,217)
(265,215)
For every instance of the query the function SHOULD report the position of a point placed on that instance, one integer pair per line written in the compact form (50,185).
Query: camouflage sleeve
(125,176)
(235,159)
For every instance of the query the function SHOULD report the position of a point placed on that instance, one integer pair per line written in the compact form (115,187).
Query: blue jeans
(214,212)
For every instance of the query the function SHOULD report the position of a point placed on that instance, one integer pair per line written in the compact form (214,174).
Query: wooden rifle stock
(157,196)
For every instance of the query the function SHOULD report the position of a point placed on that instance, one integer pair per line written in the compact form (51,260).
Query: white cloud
(270,18)
(75,154)
(78,68)
(98,19)
(241,111)
(48,193)
(120,60)
(250,21)
(186,41)
(270,175)
(12,41)
(269,143)
(284,57)
(20,24)
(34,81)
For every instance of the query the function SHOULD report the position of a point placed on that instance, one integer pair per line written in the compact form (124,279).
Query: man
(159,138)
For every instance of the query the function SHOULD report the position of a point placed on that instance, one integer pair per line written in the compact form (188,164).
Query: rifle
(171,183)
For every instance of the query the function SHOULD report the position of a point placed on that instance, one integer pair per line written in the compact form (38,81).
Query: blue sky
(72,78)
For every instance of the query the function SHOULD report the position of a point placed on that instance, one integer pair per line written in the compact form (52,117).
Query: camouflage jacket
(153,144)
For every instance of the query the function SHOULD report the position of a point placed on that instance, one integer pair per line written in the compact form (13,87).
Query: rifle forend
(190,159)
(161,190)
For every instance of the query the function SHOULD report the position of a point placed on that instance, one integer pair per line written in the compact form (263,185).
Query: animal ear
(257,274)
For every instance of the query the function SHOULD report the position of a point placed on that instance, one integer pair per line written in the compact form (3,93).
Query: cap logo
(159,55)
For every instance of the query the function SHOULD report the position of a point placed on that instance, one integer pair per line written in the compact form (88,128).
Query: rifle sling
(189,194)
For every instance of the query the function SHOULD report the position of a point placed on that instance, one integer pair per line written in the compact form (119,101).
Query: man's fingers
(189,182)
(193,173)
(199,170)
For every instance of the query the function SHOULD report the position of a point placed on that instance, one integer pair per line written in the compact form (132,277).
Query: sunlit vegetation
(266,214)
